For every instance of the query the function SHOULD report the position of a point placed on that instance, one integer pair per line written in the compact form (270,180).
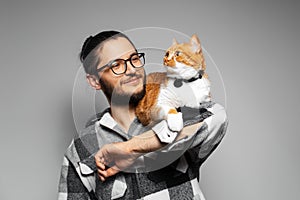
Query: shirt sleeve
(164,134)
(213,130)
(70,184)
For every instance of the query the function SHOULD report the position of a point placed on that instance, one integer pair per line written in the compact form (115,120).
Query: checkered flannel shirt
(178,180)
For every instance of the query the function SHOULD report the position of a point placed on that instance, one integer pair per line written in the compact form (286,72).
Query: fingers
(101,167)
(104,174)
(101,160)
(102,178)
(112,170)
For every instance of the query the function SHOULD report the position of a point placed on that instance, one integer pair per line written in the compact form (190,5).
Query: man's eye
(115,65)
(135,58)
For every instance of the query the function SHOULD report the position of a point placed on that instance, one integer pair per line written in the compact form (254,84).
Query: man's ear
(93,81)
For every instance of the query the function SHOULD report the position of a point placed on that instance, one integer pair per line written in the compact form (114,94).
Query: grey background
(254,43)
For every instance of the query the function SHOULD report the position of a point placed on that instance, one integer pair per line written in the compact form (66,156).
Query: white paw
(175,121)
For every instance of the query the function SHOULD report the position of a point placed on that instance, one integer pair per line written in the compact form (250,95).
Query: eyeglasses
(119,66)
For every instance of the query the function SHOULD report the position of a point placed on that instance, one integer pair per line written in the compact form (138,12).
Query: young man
(116,157)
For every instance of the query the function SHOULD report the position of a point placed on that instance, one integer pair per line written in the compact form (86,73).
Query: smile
(132,81)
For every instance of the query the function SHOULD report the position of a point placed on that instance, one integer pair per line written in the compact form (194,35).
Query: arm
(207,136)
(213,131)
(149,141)
(202,138)
(124,154)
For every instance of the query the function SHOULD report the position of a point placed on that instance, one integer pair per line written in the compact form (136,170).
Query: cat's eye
(177,53)
(167,54)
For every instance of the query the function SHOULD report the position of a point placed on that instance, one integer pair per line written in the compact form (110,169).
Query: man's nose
(130,69)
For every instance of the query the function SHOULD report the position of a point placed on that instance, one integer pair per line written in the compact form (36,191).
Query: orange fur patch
(187,57)
(146,107)
(172,111)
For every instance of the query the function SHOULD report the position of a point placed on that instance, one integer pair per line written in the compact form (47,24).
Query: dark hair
(88,55)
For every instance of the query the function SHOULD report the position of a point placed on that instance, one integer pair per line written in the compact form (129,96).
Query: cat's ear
(195,42)
(174,42)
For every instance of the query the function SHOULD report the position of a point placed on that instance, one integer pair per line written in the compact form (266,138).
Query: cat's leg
(170,114)
(174,120)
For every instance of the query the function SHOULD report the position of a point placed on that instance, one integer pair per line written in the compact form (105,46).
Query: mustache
(132,77)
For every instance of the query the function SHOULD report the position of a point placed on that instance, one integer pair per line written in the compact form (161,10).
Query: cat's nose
(168,62)
(165,61)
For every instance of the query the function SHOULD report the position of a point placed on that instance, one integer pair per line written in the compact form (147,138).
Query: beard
(122,99)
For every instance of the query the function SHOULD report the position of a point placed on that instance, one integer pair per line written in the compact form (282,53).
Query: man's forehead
(117,48)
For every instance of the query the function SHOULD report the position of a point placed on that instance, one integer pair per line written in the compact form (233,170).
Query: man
(115,157)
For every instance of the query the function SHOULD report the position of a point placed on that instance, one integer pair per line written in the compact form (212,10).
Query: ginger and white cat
(184,84)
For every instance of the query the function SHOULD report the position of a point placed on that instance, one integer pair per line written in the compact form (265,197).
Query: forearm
(149,142)
(210,134)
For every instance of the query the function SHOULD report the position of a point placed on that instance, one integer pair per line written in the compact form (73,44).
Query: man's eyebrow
(133,53)
(125,59)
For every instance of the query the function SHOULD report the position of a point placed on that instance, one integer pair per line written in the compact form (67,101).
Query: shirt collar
(108,121)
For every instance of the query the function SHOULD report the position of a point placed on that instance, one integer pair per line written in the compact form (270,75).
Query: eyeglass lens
(119,66)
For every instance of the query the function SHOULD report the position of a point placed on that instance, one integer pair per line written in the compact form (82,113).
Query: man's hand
(114,157)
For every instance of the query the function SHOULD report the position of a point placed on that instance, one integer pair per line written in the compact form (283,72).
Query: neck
(123,115)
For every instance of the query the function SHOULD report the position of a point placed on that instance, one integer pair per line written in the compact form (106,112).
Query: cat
(185,83)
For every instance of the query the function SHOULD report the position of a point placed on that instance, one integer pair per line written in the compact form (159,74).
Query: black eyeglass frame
(140,55)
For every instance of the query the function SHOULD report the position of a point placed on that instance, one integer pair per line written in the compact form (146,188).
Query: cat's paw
(175,121)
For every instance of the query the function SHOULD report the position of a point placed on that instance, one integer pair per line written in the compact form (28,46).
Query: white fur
(182,71)
(175,121)
(190,94)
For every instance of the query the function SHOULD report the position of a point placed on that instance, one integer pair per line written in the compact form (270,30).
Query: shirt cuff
(163,132)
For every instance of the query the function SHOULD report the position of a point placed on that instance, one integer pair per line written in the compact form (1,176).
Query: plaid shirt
(178,180)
